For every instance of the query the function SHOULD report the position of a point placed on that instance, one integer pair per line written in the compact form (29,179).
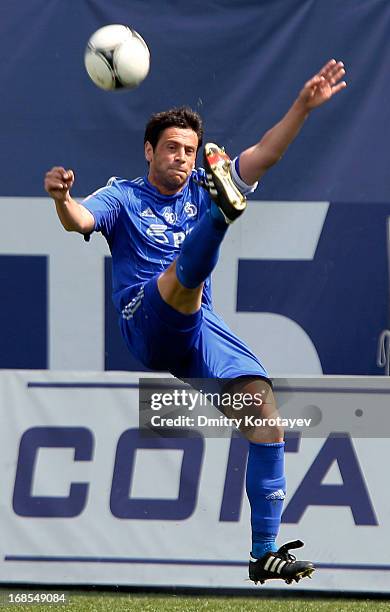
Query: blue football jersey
(145,229)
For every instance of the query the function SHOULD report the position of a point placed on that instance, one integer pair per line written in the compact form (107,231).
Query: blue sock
(265,487)
(200,250)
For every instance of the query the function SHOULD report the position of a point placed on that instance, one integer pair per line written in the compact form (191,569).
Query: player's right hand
(58,182)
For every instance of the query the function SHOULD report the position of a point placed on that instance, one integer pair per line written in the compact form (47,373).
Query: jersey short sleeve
(104,204)
(242,186)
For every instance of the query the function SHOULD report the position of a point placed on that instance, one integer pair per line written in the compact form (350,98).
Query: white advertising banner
(87,500)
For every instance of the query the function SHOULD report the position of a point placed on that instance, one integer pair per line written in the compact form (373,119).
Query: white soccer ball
(117,57)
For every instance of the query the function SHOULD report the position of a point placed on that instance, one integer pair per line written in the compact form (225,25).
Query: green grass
(129,602)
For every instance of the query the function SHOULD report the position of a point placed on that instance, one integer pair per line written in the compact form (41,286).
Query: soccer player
(164,232)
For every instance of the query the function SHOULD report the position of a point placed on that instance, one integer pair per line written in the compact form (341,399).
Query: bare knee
(186,301)
(264,434)
(260,419)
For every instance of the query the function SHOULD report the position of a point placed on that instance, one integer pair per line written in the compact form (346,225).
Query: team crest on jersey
(190,209)
(157,232)
(147,213)
(170,217)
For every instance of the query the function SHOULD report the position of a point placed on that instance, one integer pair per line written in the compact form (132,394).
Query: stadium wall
(87,500)
(306,302)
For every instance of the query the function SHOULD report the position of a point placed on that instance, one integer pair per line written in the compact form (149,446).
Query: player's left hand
(322,86)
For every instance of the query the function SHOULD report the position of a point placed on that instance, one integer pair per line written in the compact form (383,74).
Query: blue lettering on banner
(233,490)
(352,492)
(26,504)
(125,507)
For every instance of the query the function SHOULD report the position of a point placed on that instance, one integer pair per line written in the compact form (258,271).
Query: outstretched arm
(73,216)
(256,160)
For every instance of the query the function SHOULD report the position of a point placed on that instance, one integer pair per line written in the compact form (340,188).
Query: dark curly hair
(183,117)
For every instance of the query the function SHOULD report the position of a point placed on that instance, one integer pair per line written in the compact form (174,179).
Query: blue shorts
(198,345)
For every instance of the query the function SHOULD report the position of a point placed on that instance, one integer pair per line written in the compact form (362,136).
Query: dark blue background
(240,63)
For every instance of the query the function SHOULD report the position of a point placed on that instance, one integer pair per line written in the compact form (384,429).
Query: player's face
(172,160)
